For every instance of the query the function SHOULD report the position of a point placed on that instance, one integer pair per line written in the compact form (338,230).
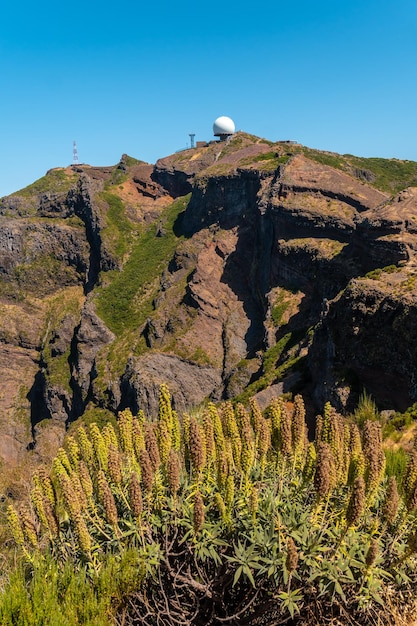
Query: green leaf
(237,575)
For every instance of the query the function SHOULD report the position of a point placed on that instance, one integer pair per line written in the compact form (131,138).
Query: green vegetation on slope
(390,175)
(54,181)
(125,301)
(119,231)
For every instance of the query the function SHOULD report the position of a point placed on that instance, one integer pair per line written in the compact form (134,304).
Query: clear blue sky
(138,77)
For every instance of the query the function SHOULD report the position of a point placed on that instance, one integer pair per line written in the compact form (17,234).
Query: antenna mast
(75,153)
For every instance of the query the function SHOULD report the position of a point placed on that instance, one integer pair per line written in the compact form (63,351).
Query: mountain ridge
(219,270)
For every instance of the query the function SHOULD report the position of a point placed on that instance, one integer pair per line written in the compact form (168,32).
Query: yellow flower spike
(46,485)
(125,423)
(99,446)
(73,450)
(138,436)
(231,431)
(28,527)
(110,437)
(86,447)
(15,525)
(37,499)
(197,452)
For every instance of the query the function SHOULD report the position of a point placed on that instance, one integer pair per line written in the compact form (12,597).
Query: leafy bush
(233,517)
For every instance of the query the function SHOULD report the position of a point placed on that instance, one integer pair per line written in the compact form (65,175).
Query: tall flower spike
(208,434)
(410,478)
(197,452)
(110,437)
(99,446)
(125,421)
(285,429)
(217,428)
(374,455)
(299,427)
(256,417)
(164,440)
(164,406)
(164,423)
(135,495)
(37,499)
(264,441)
(173,472)
(323,477)
(221,507)
(85,479)
(356,503)
(357,460)
(28,527)
(310,463)
(222,469)
(77,488)
(46,485)
(176,432)
(248,452)
(291,561)
(253,502)
(107,499)
(62,456)
(15,525)
(274,414)
(83,536)
(198,519)
(86,447)
(50,516)
(115,466)
(152,446)
(372,553)
(73,450)
(138,436)
(231,431)
(71,499)
(146,470)
(392,500)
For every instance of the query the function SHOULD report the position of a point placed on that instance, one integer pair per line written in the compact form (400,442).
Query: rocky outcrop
(89,338)
(189,383)
(82,203)
(368,337)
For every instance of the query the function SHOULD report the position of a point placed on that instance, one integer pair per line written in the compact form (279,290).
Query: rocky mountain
(240,267)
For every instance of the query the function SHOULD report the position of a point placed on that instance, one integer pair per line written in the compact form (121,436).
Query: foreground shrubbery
(229,517)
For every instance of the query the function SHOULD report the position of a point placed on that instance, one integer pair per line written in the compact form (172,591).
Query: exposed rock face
(265,272)
(90,336)
(369,334)
(189,383)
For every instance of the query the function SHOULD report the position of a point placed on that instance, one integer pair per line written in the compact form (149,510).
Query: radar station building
(223,127)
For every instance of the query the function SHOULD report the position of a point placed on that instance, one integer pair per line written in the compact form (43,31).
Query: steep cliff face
(221,270)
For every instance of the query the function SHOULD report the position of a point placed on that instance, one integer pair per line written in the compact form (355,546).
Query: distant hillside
(241,267)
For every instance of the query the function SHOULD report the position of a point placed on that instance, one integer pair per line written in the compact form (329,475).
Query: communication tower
(75,153)
(192,144)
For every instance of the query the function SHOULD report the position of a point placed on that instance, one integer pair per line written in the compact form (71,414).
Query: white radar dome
(223,126)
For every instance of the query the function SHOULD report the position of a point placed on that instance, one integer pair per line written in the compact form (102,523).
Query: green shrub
(226,516)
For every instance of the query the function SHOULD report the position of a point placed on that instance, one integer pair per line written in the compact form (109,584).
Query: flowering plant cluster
(232,516)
